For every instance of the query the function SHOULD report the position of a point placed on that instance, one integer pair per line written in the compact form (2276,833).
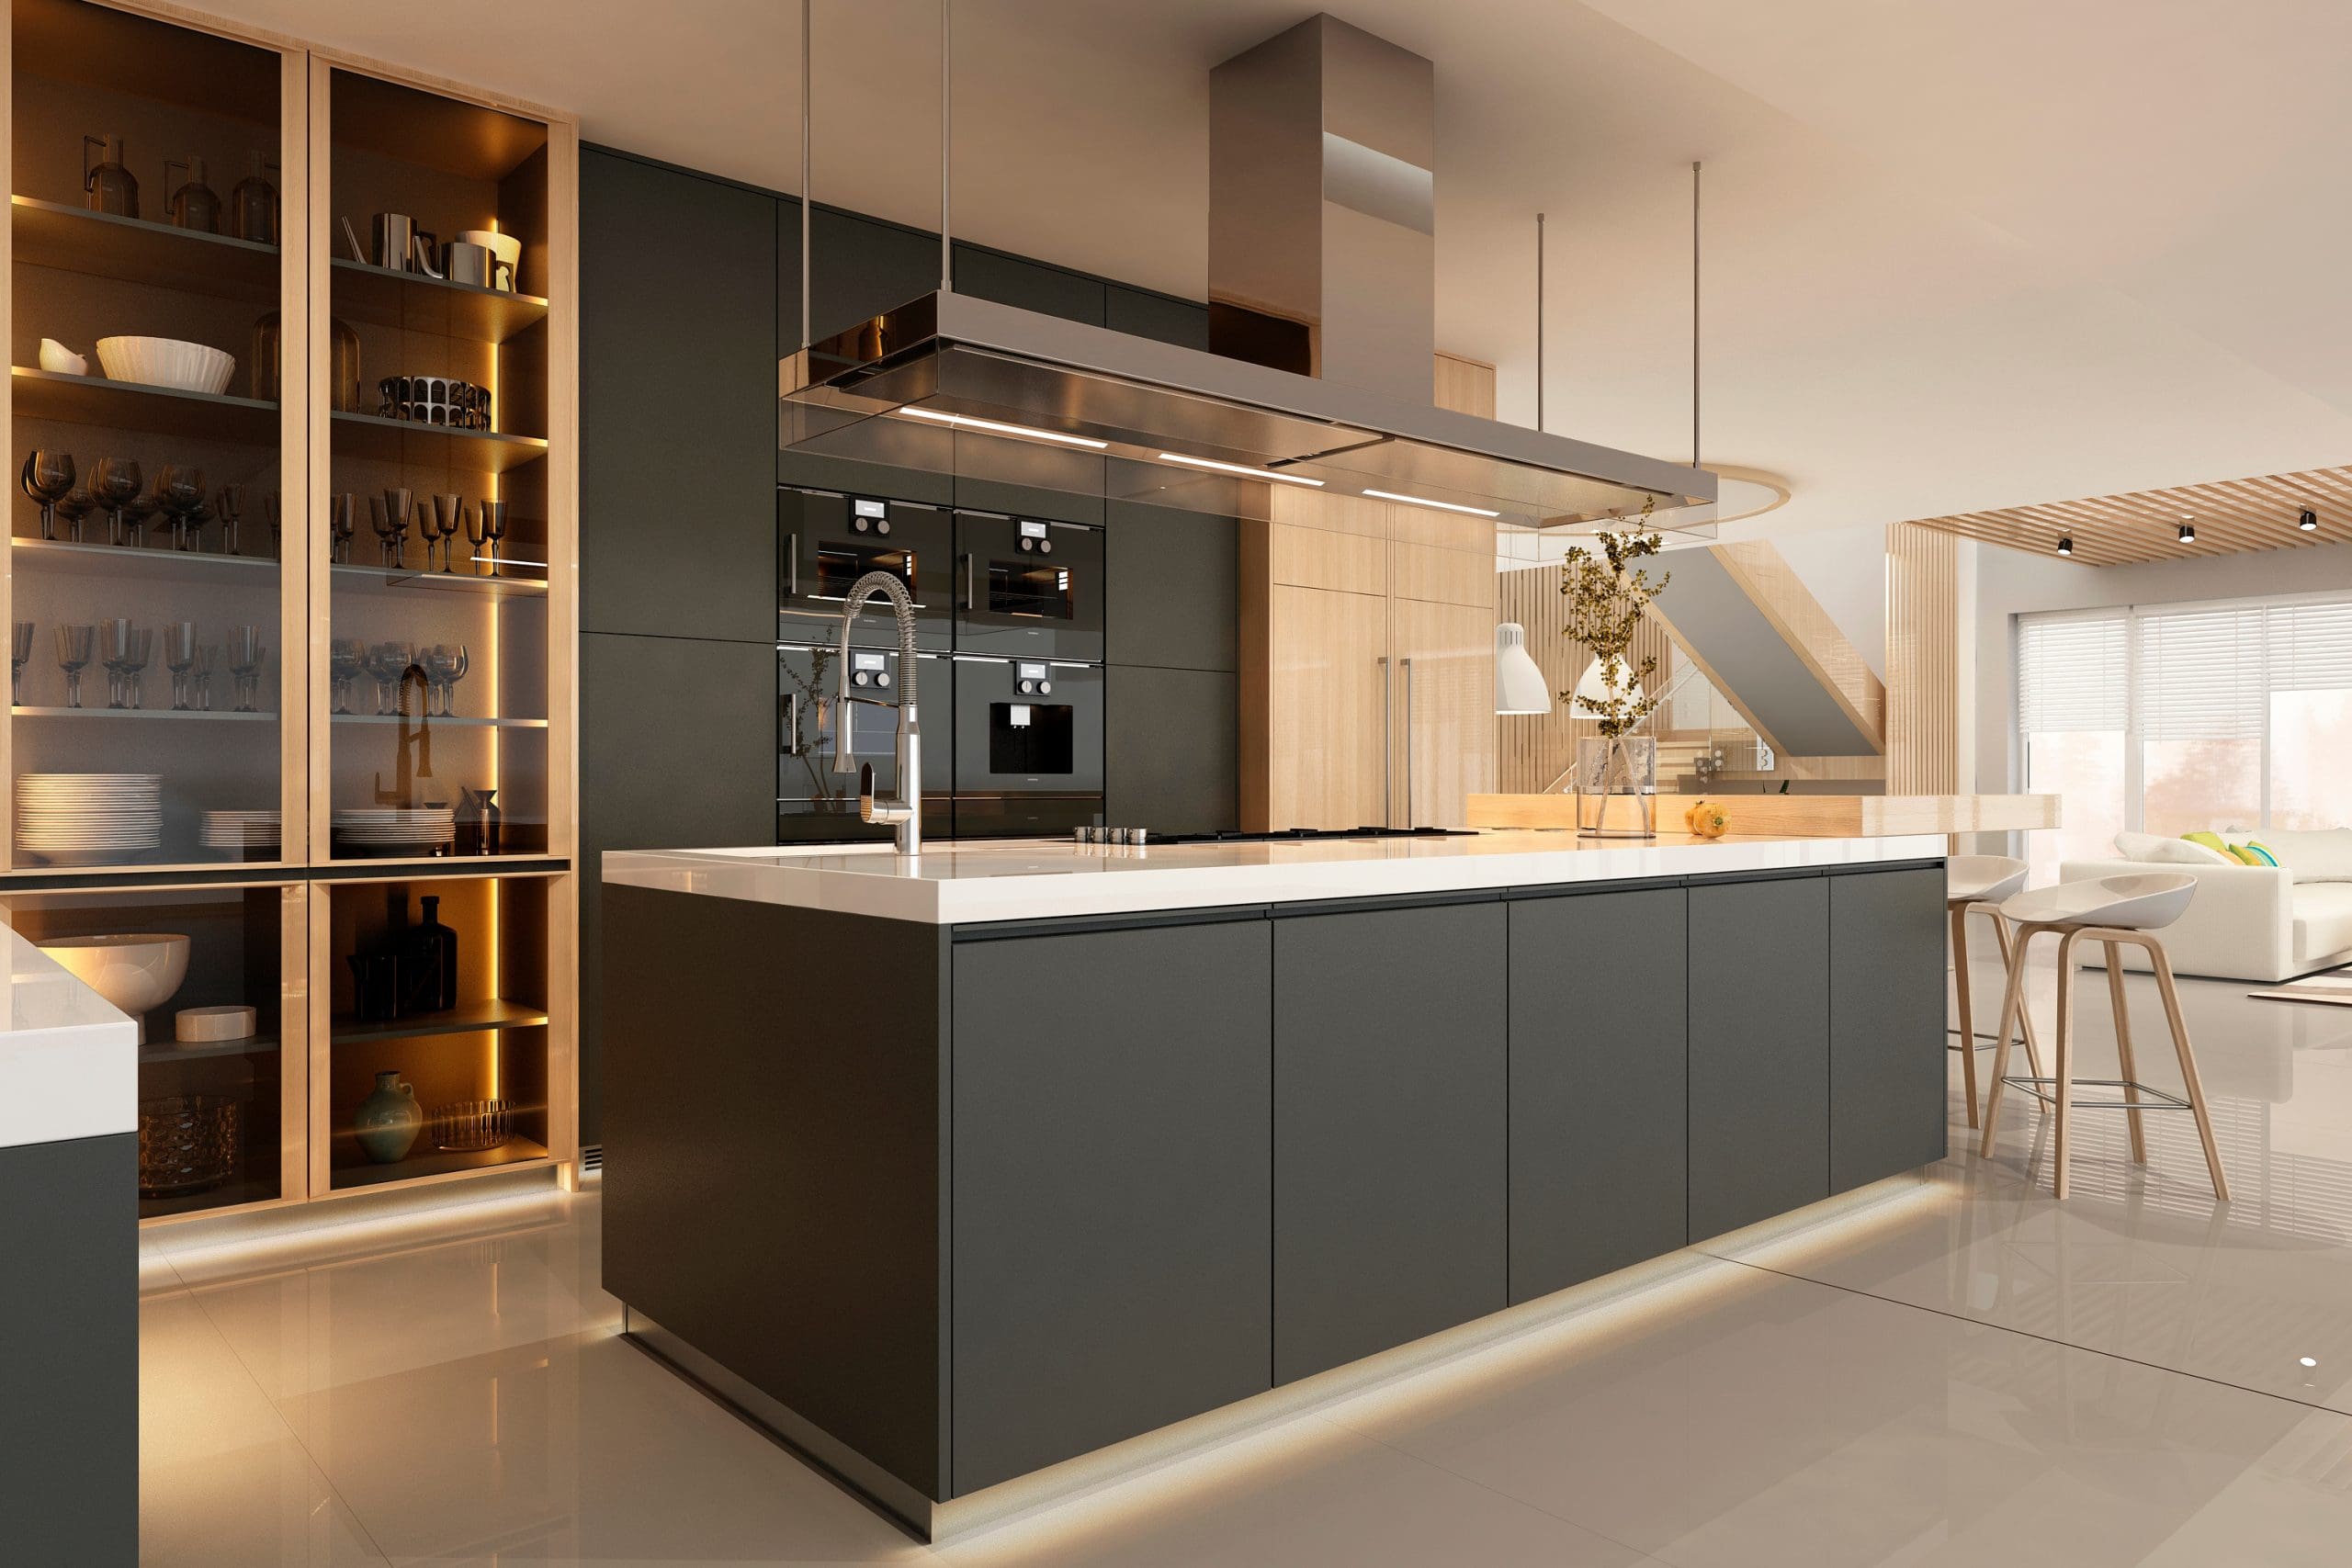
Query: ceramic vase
(389,1119)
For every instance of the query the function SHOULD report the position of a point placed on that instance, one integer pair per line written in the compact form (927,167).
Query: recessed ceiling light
(1027,432)
(2065,543)
(2308,521)
(2309,1362)
(1244,469)
(2187,532)
(1424,501)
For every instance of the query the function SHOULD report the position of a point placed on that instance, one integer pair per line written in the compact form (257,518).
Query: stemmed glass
(231,504)
(270,509)
(75,647)
(19,652)
(448,522)
(77,504)
(246,652)
(125,647)
(114,484)
(135,512)
(392,528)
(199,678)
(179,658)
(388,661)
(48,478)
(445,665)
(346,656)
(343,522)
(179,493)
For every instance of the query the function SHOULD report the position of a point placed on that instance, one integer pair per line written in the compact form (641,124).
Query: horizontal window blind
(2073,673)
(2202,675)
(2311,647)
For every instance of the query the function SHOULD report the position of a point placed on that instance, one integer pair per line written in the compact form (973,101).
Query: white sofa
(2251,923)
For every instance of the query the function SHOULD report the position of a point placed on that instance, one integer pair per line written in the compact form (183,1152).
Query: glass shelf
(516,1150)
(162,411)
(470,1019)
(116,561)
(175,1051)
(152,713)
(415,302)
(133,250)
(432,445)
(440,582)
(430,721)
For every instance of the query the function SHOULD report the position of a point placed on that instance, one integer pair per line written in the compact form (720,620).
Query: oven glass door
(813,802)
(1027,587)
(1029,747)
(825,543)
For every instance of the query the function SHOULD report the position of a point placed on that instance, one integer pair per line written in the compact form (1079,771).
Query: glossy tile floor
(1963,1372)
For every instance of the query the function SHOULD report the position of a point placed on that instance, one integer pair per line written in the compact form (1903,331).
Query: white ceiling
(1960,253)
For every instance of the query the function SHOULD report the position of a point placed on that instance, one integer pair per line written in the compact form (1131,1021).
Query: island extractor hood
(1322,295)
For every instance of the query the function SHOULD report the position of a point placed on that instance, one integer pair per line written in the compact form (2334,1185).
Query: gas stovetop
(1311,835)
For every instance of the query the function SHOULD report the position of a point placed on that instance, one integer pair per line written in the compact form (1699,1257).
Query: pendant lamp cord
(946,124)
(1694,315)
(806,119)
(1538,323)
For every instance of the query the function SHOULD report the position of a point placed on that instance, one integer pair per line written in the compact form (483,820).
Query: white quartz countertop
(69,1061)
(1028,879)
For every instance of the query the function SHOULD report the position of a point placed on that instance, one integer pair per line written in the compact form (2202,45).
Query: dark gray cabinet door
(1390,1116)
(1599,1085)
(1143,314)
(1173,581)
(1171,749)
(69,1386)
(859,268)
(1112,1191)
(1886,1024)
(1032,286)
(1759,1050)
(677,403)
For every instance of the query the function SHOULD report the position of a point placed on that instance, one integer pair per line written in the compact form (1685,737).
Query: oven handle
(971,592)
(789,719)
(792,562)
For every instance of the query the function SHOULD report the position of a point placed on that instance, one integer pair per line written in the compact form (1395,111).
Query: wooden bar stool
(1975,884)
(2116,912)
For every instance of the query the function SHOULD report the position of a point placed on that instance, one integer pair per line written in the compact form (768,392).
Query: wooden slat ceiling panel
(2232,517)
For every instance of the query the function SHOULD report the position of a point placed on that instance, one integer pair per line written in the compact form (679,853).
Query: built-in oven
(826,542)
(813,802)
(1028,746)
(1027,587)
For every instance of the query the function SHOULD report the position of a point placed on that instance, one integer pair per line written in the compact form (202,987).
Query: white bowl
(167,362)
(59,360)
(132,971)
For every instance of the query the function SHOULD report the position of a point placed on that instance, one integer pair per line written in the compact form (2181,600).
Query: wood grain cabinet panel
(1443,576)
(1332,686)
(1445,726)
(1317,557)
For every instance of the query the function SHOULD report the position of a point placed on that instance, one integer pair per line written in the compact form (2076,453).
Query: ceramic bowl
(59,360)
(167,362)
(134,973)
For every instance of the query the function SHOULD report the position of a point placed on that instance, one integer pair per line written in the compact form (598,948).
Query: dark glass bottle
(109,185)
(435,945)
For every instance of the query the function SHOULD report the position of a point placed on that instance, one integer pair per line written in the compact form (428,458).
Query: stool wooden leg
(2162,964)
(2012,1000)
(2123,1051)
(2024,1014)
(1967,1006)
(2062,1087)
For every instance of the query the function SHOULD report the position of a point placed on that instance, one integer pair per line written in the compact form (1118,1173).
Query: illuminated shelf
(415,302)
(413,445)
(134,405)
(148,713)
(423,721)
(516,1150)
(148,563)
(470,1019)
(133,250)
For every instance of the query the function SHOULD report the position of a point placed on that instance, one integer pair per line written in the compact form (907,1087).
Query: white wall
(1844,569)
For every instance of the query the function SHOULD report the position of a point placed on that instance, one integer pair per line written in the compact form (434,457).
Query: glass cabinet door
(433,509)
(151,599)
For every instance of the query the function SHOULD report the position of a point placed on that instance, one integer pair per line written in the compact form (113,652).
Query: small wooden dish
(204,1026)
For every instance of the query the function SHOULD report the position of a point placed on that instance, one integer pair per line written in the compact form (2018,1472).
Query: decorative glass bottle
(109,185)
(436,946)
(253,206)
(194,204)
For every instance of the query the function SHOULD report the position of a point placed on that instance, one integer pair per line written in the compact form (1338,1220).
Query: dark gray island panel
(1599,1085)
(1112,1191)
(1887,1064)
(1759,1050)
(1390,1116)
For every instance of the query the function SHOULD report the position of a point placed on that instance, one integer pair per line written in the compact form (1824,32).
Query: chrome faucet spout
(903,813)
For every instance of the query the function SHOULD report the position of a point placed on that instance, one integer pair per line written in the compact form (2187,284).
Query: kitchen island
(952,1169)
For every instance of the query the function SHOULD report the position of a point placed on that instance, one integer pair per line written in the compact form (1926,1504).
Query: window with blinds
(2074,673)
(2309,647)
(2200,675)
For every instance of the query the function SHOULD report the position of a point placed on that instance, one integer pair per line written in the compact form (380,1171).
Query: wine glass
(246,652)
(134,663)
(449,519)
(199,678)
(392,528)
(115,638)
(493,528)
(19,652)
(445,665)
(115,485)
(179,491)
(388,661)
(78,503)
(75,647)
(346,656)
(179,658)
(231,504)
(48,478)
(343,522)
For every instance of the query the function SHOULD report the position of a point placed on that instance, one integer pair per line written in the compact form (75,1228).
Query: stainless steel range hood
(1321,302)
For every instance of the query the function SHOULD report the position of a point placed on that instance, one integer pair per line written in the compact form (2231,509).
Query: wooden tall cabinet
(265,850)
(1367,664)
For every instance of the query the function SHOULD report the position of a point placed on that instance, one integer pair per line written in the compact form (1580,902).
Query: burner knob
(1028,544)
(1044,688)
(882,525)
(883,679)
(860,525)
(860,678)
(1027,687)
(1045,547)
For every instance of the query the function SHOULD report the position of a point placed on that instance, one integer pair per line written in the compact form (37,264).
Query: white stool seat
(1983,879)
(2142,901)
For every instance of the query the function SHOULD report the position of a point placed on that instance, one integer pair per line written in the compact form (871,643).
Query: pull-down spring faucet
(905,812)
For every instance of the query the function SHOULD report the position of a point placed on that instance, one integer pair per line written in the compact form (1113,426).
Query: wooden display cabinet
(340,139)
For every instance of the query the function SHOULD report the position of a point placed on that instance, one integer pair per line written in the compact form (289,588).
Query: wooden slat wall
(1922,660)
(1533,750)
(2232,516)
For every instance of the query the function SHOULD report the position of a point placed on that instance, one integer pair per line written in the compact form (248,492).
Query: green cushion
(2211,841)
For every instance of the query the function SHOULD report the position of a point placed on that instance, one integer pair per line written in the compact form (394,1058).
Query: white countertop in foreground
(69,1062)
(1039,879)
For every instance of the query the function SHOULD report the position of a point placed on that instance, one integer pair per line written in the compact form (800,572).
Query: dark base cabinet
(1390,1118)
(966,1203)
(1599,1085)
(69,1383)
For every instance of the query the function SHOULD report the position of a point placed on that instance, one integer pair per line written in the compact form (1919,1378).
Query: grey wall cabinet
(1032,286)
(1171,756)
(1759,1050)
(1142,314)
(1113,1187)
(1886,1024)
(677,403)
(1390,1116)
(1173,581)
(860,268)
(1599,1085)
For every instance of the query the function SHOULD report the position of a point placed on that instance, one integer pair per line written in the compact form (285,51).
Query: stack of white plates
(241,830)
(89,818)
(395,829)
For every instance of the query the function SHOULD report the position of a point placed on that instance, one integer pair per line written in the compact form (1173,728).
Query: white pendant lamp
(1520,686)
